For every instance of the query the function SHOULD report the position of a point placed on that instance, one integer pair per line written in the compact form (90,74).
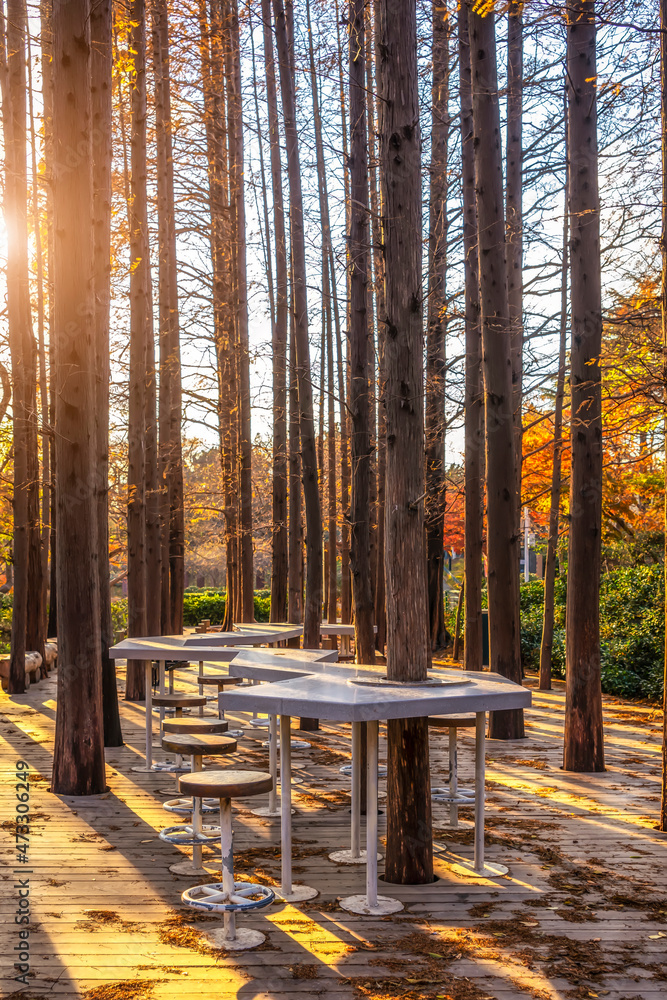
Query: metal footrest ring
(444,795)
(168,767)
(183,807)
(347,769)
(246,896)
(184,836)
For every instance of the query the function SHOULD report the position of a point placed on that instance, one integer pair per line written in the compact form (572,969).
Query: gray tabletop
(341,698)
(246,635)
(169,647)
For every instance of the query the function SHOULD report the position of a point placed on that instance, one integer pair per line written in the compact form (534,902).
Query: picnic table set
(274,684)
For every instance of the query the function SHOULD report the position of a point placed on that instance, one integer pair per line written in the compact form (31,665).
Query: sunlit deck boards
(580,915)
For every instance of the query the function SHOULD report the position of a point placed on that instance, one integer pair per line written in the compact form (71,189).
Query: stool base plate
(266,813)
(298,893)
(187,868)
(360,904)
(347,858)
(142,769)
(490,870)
(246,937)
(236,733)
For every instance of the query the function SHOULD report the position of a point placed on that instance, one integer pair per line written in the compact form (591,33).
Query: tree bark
(78,761)
(546,646)
(409,837)
(101,31)
(514,220)
(474,392)
(663,316)
(19,319)
(170,407)
(436,356)
(380,313)
(140,331)
(235,126)
(584,745)
(279,564)
(360,554)
(313,604)
(502,543)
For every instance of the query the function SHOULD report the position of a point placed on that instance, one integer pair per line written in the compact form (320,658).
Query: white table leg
(355,855)
(148,765)
(288,892)
(479,867)
(273,809)
(453,779)
(371,903)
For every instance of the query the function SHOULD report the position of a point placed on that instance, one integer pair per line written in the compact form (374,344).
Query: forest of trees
(323,291)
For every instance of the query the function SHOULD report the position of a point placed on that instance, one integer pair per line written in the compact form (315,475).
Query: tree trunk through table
(409,843)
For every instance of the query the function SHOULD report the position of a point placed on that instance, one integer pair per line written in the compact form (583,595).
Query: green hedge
(211,604)
(632,629)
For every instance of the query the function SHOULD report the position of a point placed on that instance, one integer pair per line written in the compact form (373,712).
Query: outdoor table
(279,665)
(162,648)
(247,635)
(345,632)
(367,699)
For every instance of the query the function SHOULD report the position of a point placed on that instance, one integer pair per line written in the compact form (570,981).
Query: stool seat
(195,725)
(219,679)
(178,700)
(452,721)
(226,784)
(199,745)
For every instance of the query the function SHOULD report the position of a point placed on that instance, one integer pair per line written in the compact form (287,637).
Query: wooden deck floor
(582,913)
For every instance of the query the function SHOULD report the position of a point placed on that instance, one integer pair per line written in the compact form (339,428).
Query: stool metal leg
(227,850)
(201,686)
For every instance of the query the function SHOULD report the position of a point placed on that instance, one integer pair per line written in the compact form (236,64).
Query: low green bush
(632,629)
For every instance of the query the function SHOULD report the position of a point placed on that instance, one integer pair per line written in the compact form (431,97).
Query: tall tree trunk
(342,368)
(78,759)
(663,316)
(502,543)
(360,555)
(47,119)
(584,746)
(40,616)
(474,391)
(140,331)
(19,318)
(436,358)
(101,32)
(295,579)
(171,462)
(380,311)
(313,604)
(554,499)
(409,836)
(514,220)
(235,126)
(279,342)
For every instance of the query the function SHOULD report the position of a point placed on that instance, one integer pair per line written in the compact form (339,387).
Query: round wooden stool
(195,725)
(194,835)
(228,896)
(453,795)
(177,702)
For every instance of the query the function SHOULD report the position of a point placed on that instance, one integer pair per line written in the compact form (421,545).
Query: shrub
(632,624)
